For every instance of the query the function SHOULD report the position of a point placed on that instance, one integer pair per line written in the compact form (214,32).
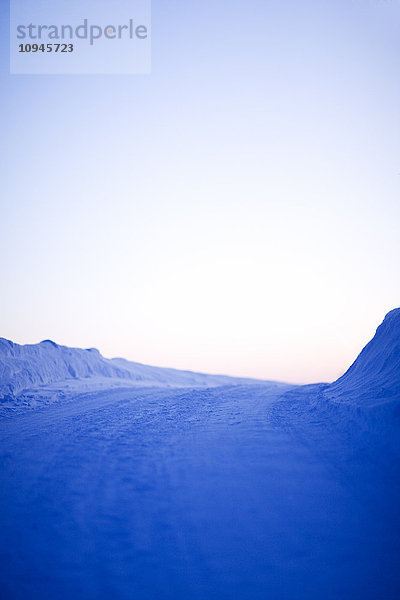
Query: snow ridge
(31,367)
(376,370)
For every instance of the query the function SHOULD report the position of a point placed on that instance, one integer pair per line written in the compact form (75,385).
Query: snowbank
(48,369)
(375,374)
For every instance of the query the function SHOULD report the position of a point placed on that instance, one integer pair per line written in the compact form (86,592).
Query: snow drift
(36,368)
(376,371)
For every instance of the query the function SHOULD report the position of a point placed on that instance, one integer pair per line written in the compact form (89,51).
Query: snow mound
(49,368)
(376,371)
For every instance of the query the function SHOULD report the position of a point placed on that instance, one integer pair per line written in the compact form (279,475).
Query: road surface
(213,494)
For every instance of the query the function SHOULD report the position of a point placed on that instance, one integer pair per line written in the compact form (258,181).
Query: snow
(37,373)
(376,371)
(209,492)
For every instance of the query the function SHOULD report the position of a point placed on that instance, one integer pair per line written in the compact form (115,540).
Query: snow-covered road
(209,494)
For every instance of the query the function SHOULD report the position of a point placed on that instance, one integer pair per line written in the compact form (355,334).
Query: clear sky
(237,211)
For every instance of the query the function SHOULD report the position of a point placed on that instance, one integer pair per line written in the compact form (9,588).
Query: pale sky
(236,211)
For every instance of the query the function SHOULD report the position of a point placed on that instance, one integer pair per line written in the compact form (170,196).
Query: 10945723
(46,48)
